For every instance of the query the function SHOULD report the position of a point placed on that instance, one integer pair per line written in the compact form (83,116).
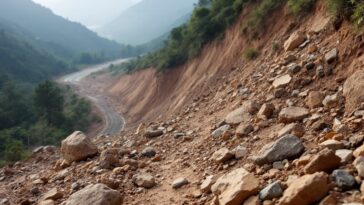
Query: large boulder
(354,91)
(293,114)
(77,147)
(286,147)
(235,187)
(306,190)
(96,194)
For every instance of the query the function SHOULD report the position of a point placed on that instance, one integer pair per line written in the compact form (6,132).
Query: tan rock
(266,111)
(77,147)
(332,144)
(222,155)
(46,202)
(53,194)
(354,90)
(207,183)
(144,180)
(293,114)
(359,151)
(97,194)
(314,99)
(282,81)
(235,187)
(253,200)
(306,190)
(238,116)
(109,158)
(293,128)
(296,39)
(325,160)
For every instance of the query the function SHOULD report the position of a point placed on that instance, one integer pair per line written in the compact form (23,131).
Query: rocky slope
(285,128)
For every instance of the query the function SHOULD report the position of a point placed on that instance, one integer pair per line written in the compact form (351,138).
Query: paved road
(114,121)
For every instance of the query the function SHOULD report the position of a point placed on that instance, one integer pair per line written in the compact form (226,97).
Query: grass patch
(251,53)
(297,7)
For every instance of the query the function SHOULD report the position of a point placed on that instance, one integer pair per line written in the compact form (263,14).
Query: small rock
(253,200)
(308,189)
(344,154)
(320,71)
(359,166)
(148,152)
(282,81)
(314,99)
(343,179)
(325,160)
(109,158)
(240,152)
(293,114)
(144,180)
(237,116)
(46,202)
(330,101)
(219,131)
(207,183)
(332,144)
(178,183)
(97,194)
(295,40)
(222,155)
(294,68)
(266,111)
(294,129)
(152,133)
(234,187)
(273,190)
(53,194)
(244,129)
(286,147)
(331,56)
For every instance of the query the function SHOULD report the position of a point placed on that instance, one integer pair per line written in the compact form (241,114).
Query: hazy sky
(92,13)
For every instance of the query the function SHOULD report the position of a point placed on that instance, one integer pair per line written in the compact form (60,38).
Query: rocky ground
(290,133)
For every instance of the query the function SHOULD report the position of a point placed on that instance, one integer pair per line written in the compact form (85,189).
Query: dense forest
(40,117)
(210,18)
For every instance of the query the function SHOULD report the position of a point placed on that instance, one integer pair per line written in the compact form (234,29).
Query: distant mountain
(54,30)
(148,20)
(22,61)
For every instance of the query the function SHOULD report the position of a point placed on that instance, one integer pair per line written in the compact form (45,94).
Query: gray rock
(286,147)
(331,56)
(293,114)
(294,68)
(345,155)
(273,190)
(149,152)
(238,116)
(320,71)
(97,194)
(178,183)
(219,131)
(343,179)
(150,133)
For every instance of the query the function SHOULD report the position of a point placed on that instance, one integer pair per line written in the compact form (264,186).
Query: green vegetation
(251,53)
(208,22)
(300,6)
(43,117)
(348,9)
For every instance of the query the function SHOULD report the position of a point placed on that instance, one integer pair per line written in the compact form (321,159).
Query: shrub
(298,6)
(251,53)
(358,15)
(275,46)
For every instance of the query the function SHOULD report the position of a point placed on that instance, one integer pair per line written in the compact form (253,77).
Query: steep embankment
(147,94)
(285,128)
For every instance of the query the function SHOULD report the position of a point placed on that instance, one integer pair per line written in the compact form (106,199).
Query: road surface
(114,122)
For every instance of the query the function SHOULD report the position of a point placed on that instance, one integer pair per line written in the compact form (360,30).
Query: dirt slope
(188,106)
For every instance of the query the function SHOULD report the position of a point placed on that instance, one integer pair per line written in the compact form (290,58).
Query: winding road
(114,121)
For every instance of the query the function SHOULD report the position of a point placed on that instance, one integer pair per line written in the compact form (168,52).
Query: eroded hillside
(284,128)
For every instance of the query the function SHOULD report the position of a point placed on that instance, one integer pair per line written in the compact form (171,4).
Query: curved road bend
(114,121)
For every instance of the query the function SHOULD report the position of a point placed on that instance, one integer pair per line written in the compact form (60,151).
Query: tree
(49,103)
